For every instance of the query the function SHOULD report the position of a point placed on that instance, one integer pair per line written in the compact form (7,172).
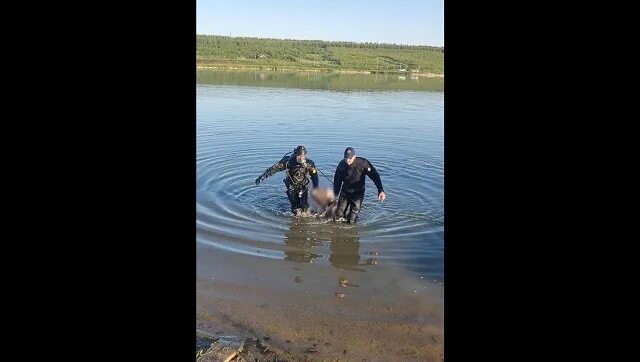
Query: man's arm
(337,180)
(279,166)
(314,173)
(374,176)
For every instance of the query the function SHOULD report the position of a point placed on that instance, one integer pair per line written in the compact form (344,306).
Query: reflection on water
(304,236)
(345,247)
(299,239)
(312,80)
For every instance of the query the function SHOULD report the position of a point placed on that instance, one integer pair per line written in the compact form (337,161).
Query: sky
(412,22)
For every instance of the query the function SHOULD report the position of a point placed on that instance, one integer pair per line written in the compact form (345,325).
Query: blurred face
(301,158)
(323,196)
(349,161)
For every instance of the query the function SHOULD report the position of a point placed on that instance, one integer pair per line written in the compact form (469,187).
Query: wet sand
(385,313)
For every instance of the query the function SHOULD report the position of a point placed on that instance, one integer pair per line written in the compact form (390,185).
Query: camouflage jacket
(296,172)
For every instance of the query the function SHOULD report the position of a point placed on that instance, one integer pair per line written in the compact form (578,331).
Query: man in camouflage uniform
(298,168)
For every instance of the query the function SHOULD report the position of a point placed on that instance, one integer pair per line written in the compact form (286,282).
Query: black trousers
(298,195)
(298,199)
(350,204)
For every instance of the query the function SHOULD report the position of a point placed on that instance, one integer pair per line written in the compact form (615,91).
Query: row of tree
(309,53)
(245,41)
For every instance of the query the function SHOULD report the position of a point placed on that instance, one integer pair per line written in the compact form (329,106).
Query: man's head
(301,154)
(349,155)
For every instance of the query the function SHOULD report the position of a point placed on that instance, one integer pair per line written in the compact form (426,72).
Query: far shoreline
(315,70)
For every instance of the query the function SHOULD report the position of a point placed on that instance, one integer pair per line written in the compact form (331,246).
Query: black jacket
(351,178)
(296,172)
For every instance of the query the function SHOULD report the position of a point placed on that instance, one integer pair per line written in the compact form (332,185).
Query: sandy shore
(297,311)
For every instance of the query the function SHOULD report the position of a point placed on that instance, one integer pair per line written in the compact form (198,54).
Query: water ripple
(239,135)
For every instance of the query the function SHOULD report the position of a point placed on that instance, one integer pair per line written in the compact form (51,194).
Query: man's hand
(382,196)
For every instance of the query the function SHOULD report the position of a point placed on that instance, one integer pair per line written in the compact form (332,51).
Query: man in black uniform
(298,167)
(348,182)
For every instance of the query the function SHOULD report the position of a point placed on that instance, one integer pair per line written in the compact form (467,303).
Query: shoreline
(314,70)
(302,311)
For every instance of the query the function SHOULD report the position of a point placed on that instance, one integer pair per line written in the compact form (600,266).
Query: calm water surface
(242,130)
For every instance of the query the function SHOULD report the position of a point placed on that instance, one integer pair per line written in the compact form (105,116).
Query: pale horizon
(412,22)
